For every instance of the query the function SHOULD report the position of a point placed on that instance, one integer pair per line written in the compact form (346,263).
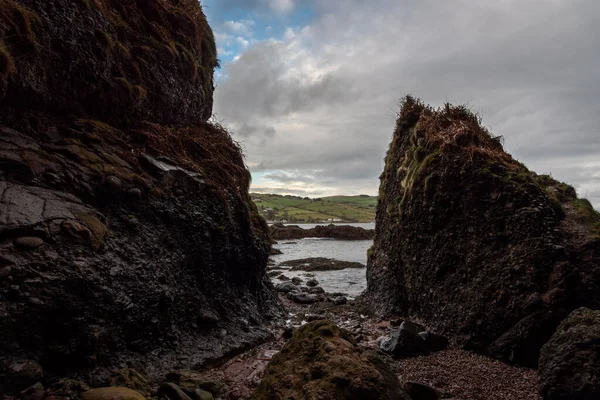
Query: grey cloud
(529,67)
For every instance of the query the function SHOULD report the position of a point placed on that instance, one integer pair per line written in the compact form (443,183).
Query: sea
(352,281)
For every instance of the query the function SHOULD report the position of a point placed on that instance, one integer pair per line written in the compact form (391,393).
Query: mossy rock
(112,393)
(97,228)
(321,361)
(130,378)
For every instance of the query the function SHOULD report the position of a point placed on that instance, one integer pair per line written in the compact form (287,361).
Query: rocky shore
(343,232)
(133,263)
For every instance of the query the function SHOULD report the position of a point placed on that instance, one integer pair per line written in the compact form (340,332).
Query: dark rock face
(570,361)
(343,232)
(129,61)
(472,243)
(118,242)
(322,362)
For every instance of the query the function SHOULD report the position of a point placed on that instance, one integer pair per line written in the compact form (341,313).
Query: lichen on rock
(472,243)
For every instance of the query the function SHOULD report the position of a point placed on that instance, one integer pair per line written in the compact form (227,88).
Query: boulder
(28,242)
(304,298)
(297,281)
(286,287)
(321,361)
(112,393)
(35,392)
(189,380)
(475,245)
(171,391)
(316,290)
(312,282)
(419,391)
(569,364)
(402,342)
(339,300)
(23,373)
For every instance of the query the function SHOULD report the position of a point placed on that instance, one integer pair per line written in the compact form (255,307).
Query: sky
(311,88)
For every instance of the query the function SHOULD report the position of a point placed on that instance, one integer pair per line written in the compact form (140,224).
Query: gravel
(464,375)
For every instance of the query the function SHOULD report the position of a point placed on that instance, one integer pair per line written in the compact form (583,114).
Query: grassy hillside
(275,207)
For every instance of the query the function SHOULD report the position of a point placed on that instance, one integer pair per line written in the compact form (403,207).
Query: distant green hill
(276,207)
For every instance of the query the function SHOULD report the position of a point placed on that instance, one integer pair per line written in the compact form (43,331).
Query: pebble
(135,193)
(113,183)
(5,272)
(28,242)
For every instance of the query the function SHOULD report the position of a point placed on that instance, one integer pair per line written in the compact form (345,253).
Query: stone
(402,342)
(303,298)
(339,300)
(419,391)
(314,317)
(28,242)
(434,342)
(569,365)
(297,281)
(23,373)
(135,193)
(412,326)
(130,378)
(112,393)
(283,278)
(171,391)
(5,272)
(200,394)
(189,380)
(272,274)
(286,287)
(274,252)
(35,392)
(321,361)
(312,282)
(288,332)
(113,183)
(316,290)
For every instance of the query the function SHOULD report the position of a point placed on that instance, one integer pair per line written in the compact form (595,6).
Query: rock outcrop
(322,361)
(126,228)
(570,360)
(472,243)
(343,232)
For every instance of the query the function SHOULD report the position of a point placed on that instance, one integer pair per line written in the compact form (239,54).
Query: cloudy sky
(311,88)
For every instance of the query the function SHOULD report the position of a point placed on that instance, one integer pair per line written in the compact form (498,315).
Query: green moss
(7,64)
(96,227)
(104,39)
(135,93)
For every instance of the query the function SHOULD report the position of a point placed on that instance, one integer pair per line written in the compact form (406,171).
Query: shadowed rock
(570,360)
(475,245)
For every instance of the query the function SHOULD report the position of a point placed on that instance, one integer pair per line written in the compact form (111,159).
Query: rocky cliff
(472,243)
(126,228)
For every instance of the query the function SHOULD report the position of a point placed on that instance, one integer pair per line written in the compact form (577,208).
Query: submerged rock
(304,298)
(472,243)
(570,361)
(322,362)
(320,264)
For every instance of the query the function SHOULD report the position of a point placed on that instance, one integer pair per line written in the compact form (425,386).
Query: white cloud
(282,6)
(244,27)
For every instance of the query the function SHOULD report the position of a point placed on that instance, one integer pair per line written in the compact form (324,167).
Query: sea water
(351,281)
